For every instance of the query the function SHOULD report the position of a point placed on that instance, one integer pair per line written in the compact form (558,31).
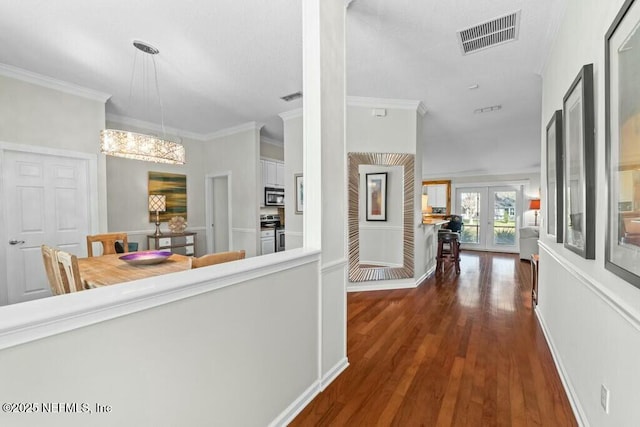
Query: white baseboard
(578,412)
(388,285)
(333,373)
(296,406)
(428,273)
(382,285)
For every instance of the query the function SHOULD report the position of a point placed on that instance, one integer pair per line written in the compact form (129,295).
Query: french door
(491,217)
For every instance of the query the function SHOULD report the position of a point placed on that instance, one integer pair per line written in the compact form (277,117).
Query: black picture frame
(555,177)
(376,196)
(579,165)
(622,150)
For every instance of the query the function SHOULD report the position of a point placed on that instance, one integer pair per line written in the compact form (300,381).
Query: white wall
(127,191)
(36,115)
(591,317)
(239,153)
(270,150)
(239,354)
(396,132)
(292,165)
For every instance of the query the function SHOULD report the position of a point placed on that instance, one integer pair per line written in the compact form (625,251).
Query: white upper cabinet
(272,173)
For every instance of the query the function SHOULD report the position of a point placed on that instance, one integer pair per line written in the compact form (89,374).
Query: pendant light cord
(155,73)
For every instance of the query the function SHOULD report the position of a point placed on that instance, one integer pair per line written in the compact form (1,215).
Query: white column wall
(324,162)
(591,317)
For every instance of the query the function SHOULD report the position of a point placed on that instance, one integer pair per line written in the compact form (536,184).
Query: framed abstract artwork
(579,165)
(622,106)
(376,196)
(174,188)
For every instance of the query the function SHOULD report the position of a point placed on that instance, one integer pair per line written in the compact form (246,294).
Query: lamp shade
(534,204)
(157,203)
(425,203)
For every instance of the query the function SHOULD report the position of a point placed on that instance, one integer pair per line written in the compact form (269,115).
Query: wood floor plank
(460,350)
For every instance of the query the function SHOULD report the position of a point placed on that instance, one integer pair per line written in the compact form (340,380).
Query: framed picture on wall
(299,186)
(554,176)
(622,106)
(579,165)
(174,188)
(376,196)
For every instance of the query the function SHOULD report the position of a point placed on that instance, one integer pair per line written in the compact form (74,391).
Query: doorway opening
(218,212)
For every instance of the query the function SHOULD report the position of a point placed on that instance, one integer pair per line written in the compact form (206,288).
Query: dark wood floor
(459,350)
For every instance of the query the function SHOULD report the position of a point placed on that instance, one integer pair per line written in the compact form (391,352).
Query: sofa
(528,242)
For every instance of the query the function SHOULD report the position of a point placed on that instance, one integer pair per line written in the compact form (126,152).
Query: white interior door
(491,216)
(218,212)
(46,201)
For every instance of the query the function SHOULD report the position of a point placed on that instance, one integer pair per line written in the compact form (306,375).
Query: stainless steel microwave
(273,196)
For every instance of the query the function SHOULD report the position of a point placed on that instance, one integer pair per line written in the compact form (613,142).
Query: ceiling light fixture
(131,145)
(487,109)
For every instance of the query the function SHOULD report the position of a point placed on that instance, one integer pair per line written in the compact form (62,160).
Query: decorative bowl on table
(146,257)
(177,224)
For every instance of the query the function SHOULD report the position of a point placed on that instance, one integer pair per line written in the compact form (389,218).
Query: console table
(178,243)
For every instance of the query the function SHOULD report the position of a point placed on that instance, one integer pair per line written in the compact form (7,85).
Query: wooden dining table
(108,270)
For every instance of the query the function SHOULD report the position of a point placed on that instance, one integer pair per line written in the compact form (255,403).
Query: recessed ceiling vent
(489,34)
(292,96)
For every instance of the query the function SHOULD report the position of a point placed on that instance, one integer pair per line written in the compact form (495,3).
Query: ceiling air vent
(292,96)
(491,33)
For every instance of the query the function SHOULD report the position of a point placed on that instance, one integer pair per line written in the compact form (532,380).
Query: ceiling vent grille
(292,97)
(489,34)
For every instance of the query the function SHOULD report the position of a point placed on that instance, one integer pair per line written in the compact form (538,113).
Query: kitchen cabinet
(437,195)
(267,241)
(178,243)
(272,173)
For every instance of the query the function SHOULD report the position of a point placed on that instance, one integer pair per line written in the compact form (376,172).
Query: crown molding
(272,141)
(484,172)
(233,130)
(402,104)
(51,83)
(154,127)
(288,115)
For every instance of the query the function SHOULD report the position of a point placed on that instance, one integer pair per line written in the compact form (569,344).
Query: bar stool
(448,250)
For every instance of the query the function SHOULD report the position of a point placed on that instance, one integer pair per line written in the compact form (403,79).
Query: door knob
(16,242)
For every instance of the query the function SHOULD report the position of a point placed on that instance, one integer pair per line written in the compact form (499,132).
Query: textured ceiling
(225,63)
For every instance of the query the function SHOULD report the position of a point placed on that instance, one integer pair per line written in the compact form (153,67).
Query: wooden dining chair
(108,241)
(51,267)
(70,271)
(217,258)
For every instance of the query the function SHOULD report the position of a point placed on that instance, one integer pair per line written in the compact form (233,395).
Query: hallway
(461,350)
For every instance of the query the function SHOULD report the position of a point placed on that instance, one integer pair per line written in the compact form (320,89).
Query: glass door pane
(470,202)
(503,221)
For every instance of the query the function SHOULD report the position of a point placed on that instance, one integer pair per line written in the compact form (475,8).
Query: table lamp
(535,204)
(157,204)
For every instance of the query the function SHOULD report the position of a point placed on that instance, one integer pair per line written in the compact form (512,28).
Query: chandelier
(132,145)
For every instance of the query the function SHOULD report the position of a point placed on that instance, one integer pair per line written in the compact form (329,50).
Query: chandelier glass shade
(131,145)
